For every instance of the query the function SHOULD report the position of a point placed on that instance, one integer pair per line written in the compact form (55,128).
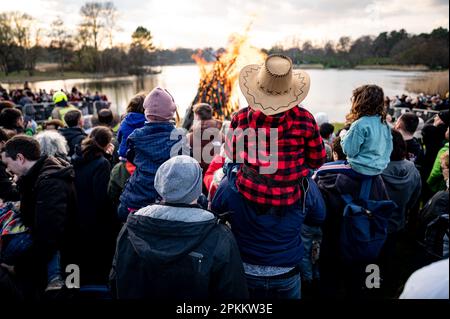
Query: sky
(209,23)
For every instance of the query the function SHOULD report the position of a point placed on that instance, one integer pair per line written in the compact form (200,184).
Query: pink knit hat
(159,105)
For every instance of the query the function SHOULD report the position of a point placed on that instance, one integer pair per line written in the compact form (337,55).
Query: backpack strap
(366,187)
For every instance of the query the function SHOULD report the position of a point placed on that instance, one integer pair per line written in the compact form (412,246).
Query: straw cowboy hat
(273,87)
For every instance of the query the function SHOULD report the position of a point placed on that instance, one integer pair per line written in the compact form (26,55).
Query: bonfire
(219,85)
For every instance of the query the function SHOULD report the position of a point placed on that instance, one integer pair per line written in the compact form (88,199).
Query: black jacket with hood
(178,253)
(47,206)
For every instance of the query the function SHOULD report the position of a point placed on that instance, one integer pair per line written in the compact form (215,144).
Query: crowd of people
(274,204)
(421,101)
(27,96)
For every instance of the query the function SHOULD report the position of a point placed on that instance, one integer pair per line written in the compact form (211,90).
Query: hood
(47,167)
(400,174)
(341,182)
(135,120)
(164,234)
(56,167)
(71,132)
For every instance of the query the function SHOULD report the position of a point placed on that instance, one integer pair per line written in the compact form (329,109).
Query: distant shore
(391,67)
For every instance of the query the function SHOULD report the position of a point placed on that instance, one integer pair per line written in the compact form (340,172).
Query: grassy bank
(393,67)
(430,83)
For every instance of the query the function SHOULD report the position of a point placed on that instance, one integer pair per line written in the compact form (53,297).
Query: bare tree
(27,37)
(60,38)
(92,23)
(7,41)
(110,17)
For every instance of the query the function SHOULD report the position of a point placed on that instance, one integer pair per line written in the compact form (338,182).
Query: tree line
(395,47)
(90,48)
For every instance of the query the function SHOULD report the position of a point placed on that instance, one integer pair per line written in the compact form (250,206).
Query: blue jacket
(368,145)
(131,122)
(272,238)
(149,147)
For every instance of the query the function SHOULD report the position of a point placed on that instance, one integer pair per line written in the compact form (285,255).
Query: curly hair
(52,143)
(367,100)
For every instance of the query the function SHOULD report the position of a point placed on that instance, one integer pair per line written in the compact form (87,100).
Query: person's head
(136,104)
(74,118)
(52,143)
(97,142)
(418,132)
(20,153)
(179,180)
(442,118)
(105,116)
(60,99)
(159,106)
(367,100)
(6,105)
(407,122)
(203,112)
(11,118)
(326,129)
(399,151)
(338,153)
(54,125)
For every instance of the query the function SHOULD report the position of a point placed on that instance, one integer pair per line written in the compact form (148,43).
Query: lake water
(330,90)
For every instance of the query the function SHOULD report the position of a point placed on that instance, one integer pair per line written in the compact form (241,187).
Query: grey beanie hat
(179,180)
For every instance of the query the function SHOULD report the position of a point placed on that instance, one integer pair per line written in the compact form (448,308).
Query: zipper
(199,257)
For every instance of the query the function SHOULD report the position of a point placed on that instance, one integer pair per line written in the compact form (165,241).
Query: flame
(219,85)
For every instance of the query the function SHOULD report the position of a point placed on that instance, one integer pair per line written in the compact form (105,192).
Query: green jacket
(436,179)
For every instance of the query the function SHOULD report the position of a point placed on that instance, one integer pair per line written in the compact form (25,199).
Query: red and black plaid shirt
(300,147)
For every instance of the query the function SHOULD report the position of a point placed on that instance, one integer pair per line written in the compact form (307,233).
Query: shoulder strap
(365,188)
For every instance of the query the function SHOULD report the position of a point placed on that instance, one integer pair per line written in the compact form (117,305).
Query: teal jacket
(368,145)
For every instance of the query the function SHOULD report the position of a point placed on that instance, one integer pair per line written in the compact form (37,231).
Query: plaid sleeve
(231,138)
(315,153)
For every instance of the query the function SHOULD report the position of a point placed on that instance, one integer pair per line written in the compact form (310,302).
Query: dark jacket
(73,136)
(131,122)
(177,253)
(8,191)
(149,147)
(403,184)
(48,207)
(96,218)
(266,236)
